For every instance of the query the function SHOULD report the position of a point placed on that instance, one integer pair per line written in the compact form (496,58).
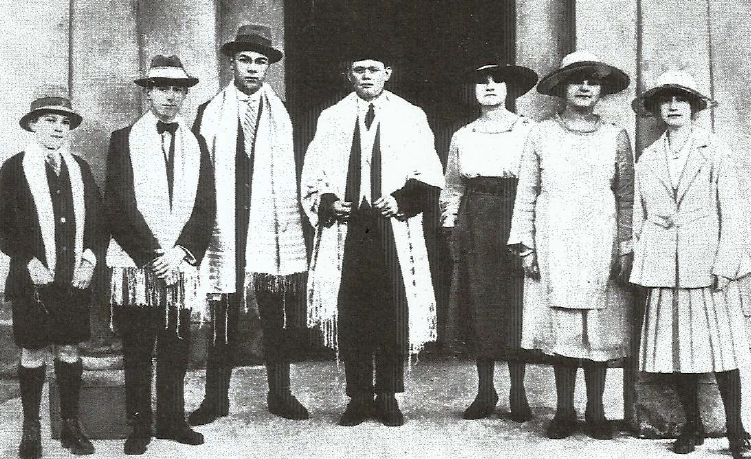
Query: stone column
(544,34)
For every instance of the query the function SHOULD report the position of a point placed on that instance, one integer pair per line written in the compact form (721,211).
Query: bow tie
(161,127)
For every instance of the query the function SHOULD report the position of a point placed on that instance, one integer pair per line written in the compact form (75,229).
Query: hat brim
(233,47)
(151,82)
(640,105)
(75,118)
(521,78)
(614,80)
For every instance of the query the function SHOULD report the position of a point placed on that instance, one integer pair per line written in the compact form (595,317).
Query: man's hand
(529,264)
(342,210)
(40,275)
(83,274)
(387,205)
(163,265)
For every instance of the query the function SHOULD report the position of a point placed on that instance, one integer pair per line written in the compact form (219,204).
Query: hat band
(168,73)
(50,102)
(253,40)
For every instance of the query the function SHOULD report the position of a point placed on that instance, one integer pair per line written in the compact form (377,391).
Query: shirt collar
(242,97)
(152,119)
(378,102)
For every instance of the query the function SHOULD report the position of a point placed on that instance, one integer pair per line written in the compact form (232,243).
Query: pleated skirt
(695,330)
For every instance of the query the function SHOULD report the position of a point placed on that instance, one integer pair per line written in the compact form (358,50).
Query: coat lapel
(696,159)
(658,164)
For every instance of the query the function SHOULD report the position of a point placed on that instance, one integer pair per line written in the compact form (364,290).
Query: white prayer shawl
(275,244)
(407,152)
(166,223)
(35,172)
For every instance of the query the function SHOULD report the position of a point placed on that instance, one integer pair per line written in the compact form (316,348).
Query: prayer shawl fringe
(35,172)
(408,152)
(275,244)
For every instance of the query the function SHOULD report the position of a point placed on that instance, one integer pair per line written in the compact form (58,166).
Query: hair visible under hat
(51,99)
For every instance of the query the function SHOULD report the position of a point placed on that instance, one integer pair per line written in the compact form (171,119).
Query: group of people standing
(548,222)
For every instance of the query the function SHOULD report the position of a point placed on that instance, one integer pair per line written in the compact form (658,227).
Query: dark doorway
(433,44)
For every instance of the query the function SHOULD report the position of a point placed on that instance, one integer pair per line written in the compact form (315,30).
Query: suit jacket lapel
(696,159)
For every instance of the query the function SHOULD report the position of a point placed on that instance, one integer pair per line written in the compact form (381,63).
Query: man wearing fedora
(366,180)
(160,203)
(50,227)
(257,247)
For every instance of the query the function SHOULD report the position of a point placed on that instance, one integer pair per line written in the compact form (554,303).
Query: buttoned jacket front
(685,235)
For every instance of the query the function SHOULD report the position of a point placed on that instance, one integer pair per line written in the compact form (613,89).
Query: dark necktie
(161,128)
(370,116)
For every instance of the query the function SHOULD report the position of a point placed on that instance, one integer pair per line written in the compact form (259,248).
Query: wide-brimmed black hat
(613,79)
(671,82)
(166,71)
(520,77)
(253,37)
(51,99)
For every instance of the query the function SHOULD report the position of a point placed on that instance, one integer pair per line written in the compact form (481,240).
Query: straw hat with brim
(253,37)
(671,82)
(51,99)
(522,78)
(612,79)
(166,71)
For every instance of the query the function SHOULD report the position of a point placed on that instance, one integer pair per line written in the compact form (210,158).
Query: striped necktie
(250,121)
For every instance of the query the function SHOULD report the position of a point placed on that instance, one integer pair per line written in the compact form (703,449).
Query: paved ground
(437,393)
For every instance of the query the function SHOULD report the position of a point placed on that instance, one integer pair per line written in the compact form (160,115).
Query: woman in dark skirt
(690,252)
(49,226)
(476,209)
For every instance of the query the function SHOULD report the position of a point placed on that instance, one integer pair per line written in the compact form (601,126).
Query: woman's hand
(530,266)
(40,275)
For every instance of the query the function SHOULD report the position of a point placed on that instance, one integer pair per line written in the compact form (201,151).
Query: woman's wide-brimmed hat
(613,79)
(671,82)
(166,70)
(51,99)
(253,37)
(522,78)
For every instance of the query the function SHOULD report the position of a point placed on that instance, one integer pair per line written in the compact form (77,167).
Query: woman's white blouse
(481,150)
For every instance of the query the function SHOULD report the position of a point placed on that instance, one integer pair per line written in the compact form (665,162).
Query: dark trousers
(140,329)
(389,374)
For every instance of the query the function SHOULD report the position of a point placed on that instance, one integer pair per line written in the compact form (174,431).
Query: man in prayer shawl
(366,181)
(160,202)
(257,249)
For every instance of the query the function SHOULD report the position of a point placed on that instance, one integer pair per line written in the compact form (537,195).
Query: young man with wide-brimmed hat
(366,181)
(257,247)
(50,227)
(160,203)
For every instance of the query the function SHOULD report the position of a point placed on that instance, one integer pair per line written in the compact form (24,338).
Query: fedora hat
(671,82)
(521,78)
(253,37)
(51,99)
(613,79)
(166,70)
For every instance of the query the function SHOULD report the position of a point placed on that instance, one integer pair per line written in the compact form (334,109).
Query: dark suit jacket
(20,232)
(127,224)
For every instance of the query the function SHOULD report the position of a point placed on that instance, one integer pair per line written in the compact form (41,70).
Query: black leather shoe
(387,410)
(286,406)
(31,440)
(179,432)
(738,445)
(561,427)
(74,439)
(599,430)
(482,407)
(359,409)
(206,414)
(688,439)
(520,411)
(137,441)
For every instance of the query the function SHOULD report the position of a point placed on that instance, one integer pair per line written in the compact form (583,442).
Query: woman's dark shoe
(179,432)
(31,440)
(520,411)
(739,445)
(74,439)
(482,407)
(561,427)
(690,437)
